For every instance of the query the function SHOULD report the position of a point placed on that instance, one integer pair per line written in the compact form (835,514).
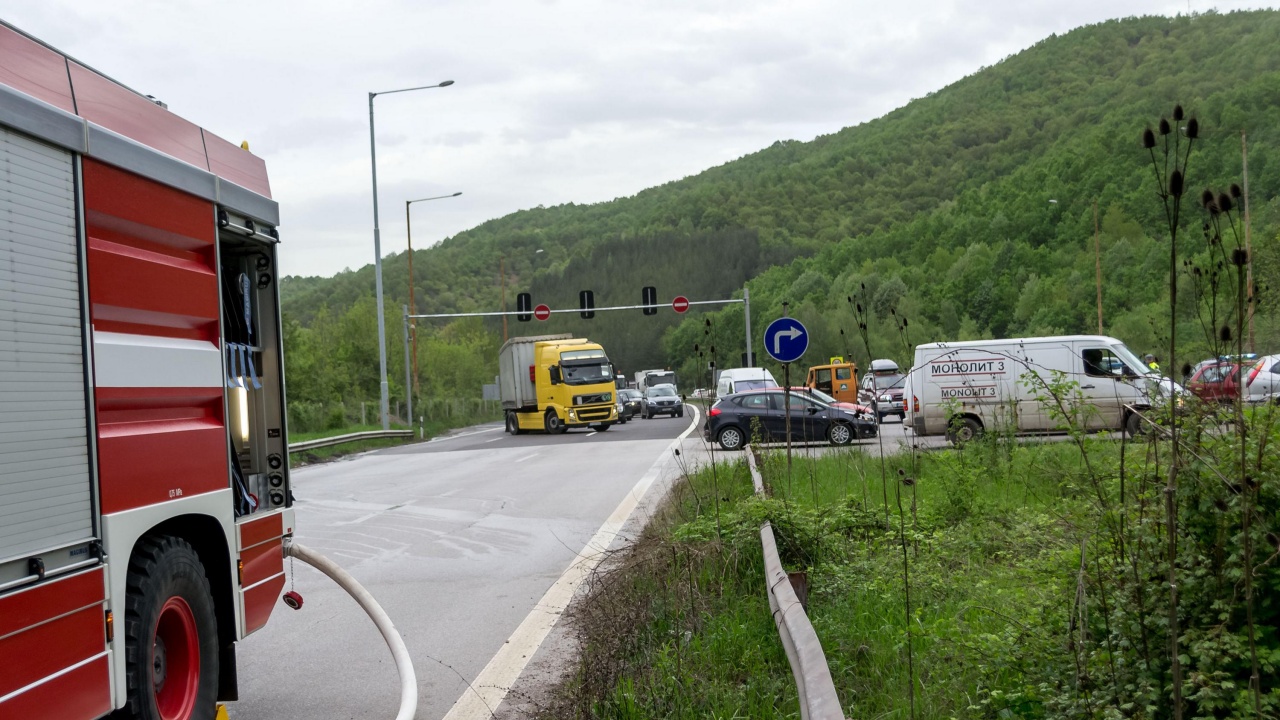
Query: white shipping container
(515,385)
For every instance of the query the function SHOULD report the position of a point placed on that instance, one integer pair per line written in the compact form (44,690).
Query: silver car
(662,400)
(1263,380)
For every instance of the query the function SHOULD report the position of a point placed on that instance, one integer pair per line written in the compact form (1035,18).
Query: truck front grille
(593,399)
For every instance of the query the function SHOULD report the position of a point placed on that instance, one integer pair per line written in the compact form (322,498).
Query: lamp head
(446,83)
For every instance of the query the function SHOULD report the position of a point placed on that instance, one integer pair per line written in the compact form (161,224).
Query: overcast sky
(555,101)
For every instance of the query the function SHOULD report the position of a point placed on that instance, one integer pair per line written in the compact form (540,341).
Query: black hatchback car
(736,418)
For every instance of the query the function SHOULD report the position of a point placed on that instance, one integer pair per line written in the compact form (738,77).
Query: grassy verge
(997,581)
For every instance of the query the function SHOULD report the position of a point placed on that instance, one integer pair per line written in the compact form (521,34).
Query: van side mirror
(554,370)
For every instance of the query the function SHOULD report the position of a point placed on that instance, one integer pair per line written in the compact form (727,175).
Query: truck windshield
(586,372)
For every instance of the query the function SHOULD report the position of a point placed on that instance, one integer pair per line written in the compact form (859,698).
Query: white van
(738,379)
(961,389)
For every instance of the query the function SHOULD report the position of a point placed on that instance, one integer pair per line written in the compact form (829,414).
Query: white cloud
(556,101)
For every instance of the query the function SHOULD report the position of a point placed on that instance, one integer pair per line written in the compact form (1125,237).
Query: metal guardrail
(818,700)
(350,437)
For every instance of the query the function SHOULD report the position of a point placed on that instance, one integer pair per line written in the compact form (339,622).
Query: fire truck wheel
(171,633)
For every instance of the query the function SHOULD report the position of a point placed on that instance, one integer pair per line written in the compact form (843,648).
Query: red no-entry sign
(542,312)
(680,304)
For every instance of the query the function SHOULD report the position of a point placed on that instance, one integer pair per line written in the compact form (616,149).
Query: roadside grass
(1034,571)
(679,626)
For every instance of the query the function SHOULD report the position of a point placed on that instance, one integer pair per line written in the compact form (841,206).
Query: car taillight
(915,403)
(713,412)
(1257,368)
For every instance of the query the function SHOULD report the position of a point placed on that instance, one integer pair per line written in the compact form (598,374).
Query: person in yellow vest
(1152,362)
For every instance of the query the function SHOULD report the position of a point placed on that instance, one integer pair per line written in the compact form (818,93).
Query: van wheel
(840,434)
(553,423)
(1133,425)
(964,429)
(730,438)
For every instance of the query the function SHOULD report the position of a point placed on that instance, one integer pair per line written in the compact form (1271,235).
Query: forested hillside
(969,212)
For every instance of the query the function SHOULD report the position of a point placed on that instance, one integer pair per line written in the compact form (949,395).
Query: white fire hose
(408,680)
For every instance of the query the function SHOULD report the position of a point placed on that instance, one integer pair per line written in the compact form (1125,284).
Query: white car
(1263,380)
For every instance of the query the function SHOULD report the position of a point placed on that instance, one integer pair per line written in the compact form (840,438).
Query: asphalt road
(461,539)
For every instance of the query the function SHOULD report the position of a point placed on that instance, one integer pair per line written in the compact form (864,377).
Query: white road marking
(493,440)
(455,437)
(490,687)
(593,432)
(527,457)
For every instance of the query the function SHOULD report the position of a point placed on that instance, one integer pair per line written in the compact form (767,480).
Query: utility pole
(746,307)
(502,273)
(1097,257)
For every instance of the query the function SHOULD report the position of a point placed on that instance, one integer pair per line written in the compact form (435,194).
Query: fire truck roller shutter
(45,490)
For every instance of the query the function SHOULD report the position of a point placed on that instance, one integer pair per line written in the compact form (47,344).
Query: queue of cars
(1225,378)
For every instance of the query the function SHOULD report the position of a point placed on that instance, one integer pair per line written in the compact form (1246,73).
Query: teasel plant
(862,316)
(708,360)
(1219,207)
(1170,166)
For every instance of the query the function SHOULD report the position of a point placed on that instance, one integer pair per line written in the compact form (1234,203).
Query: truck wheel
(554,424)
(680,412)
(171,633)
(730,438)
(840,434)
(601,427)
(513,424)
(963,430)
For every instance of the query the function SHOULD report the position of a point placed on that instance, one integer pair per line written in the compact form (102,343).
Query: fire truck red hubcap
(175,660)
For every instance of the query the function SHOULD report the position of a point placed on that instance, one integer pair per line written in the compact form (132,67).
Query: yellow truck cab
(837,378)
(555,382)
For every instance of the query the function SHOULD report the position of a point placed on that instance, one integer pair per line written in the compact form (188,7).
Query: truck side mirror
(555,374)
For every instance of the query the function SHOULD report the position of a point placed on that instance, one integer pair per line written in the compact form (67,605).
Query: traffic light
(524,307)
(587,302)
(649,298)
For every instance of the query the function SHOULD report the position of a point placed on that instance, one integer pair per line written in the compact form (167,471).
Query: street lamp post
(413,309)
(377,255)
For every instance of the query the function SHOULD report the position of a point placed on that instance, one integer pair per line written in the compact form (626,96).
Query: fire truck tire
(554,424)
(171,634)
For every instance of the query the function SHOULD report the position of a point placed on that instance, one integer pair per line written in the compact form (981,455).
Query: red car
(1217,382)
(861,411)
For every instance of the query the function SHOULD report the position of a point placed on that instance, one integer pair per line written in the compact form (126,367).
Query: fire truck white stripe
(125,360)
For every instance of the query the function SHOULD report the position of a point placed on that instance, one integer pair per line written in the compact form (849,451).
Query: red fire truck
(144,480)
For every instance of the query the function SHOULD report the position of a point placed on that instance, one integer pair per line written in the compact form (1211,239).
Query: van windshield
(889,381)
(1137,366)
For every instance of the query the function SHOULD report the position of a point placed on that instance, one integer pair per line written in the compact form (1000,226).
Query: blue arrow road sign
(786,340)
